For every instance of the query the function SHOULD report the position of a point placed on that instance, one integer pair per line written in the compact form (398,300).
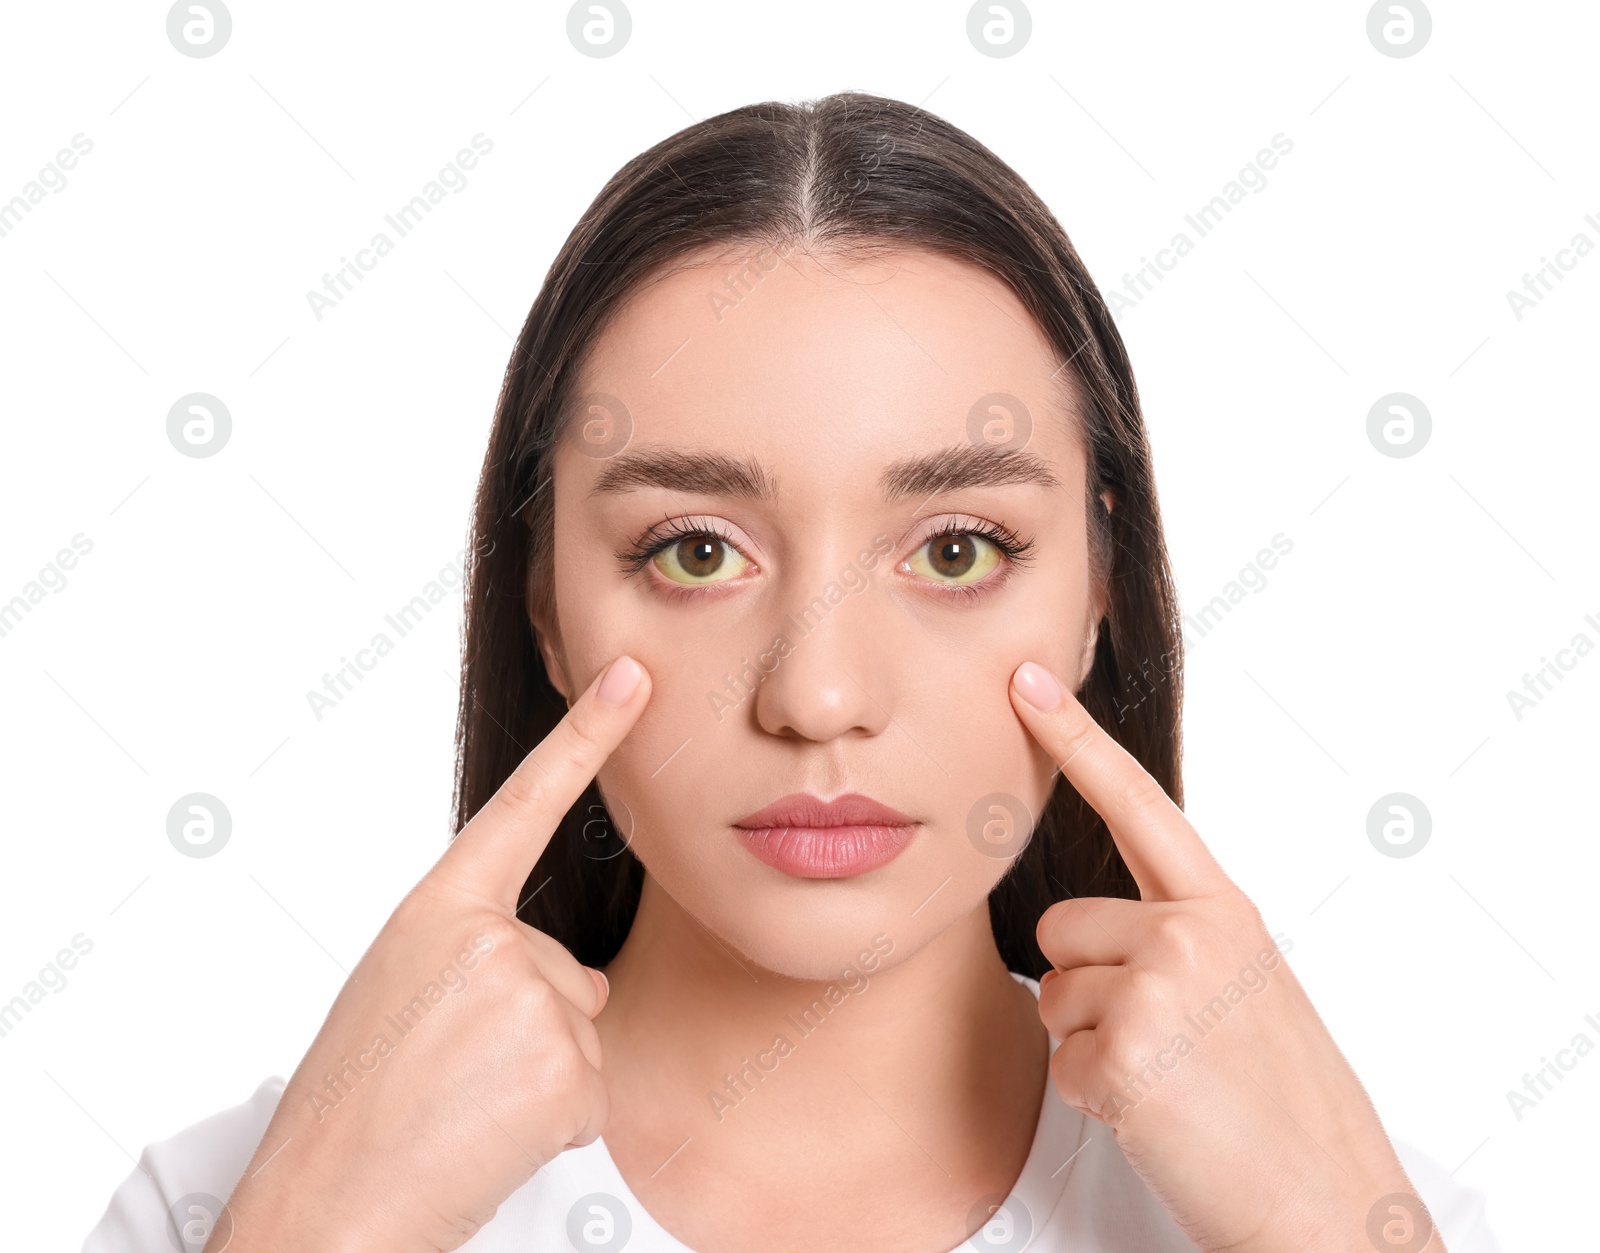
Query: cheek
(674,758)
(967,658)
(598,624)
(995,777)
(962,711)
(603,616)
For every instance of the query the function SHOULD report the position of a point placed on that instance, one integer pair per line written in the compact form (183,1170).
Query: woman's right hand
(462,1049)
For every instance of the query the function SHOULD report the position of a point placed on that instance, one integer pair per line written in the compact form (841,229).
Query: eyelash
(1016,550)
(662,536)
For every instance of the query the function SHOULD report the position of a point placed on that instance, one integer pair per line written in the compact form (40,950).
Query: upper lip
(801,809)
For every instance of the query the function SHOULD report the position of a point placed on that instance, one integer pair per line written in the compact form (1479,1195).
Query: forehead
(823,362)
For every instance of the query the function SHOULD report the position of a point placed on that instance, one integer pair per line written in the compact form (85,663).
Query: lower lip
(826,852)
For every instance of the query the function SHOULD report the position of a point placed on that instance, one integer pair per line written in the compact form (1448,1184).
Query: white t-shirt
(1076,1193)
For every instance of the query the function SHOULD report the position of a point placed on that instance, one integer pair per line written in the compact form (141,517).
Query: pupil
(700,557)
(954,556)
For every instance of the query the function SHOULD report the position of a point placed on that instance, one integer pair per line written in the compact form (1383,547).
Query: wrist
(281,1208)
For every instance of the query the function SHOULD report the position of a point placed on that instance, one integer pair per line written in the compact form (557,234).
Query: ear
(1097,610)
(554,662)
(1096,615)
(1086,662)
(548,637)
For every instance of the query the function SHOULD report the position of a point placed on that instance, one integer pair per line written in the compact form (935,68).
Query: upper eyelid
(680,524)
(933,525)
(661,534)
(689,523)
(949,523)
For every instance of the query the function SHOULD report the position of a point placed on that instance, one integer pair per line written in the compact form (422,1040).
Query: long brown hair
(849,172)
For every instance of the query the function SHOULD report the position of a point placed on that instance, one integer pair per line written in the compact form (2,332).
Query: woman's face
(802,530)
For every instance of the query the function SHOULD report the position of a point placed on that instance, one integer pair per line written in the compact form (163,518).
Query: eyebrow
(964,465)
(716,474)
(701,473)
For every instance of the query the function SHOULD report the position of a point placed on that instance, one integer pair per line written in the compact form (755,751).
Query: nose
(836,676)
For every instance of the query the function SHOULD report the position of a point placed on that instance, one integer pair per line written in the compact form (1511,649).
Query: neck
(701,1044)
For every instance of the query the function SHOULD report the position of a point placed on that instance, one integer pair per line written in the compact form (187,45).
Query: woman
(817,488)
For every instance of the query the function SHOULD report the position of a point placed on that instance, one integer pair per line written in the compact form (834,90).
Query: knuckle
(563,1071)
(499,932)
(555,1070)
(585,741)
(1073,1069)
(1059,924)
(1144,992)
(1117,1053)
(1078,729)
(1249,913)
(1060,993)
(1140,793)
(539,1001)
(525,788)
(1063,1069)
(1176,939)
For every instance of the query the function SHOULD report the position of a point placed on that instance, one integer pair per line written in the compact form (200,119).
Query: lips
(801,809)
(810,838)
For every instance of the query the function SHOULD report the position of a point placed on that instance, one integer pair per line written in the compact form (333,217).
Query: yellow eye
(955,557)
(699,559)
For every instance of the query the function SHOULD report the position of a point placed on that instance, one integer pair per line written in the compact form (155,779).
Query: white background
(218,591)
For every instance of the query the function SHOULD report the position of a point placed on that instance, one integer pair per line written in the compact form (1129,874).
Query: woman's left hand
(1183,1030)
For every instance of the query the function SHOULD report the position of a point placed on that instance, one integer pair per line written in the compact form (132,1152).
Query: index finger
(1168,859)
(495,852)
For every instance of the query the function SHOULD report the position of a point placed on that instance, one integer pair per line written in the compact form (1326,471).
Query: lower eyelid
(1003,559)
(666,581)
(1003,570)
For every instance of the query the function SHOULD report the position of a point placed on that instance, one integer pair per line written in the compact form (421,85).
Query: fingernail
(1045,978)
(620,682)
(604,980)
(1038,686)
